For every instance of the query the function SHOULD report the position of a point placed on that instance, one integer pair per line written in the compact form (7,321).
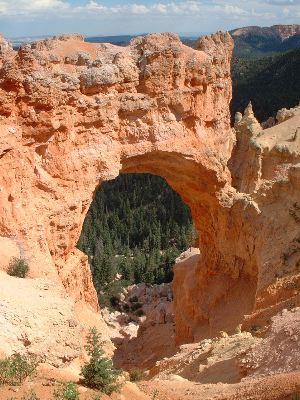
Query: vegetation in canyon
(136,227)
(99,372)
(66,391)
(269,82)
(257,42)
(18,267)
(16,368)
(265,70)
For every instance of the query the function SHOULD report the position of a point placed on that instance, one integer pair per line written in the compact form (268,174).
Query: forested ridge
(135,228)
(258,45)
(271,83)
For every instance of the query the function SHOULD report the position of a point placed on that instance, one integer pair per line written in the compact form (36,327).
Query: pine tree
(99,372)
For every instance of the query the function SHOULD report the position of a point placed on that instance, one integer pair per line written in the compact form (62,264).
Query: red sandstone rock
(75,114)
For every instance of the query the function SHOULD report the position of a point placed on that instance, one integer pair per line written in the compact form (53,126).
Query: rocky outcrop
(285,114)
(265,168)
(75,114)
(245,160)
(278,351)
(147,304)
(210,361)
(21,330)
(143,328)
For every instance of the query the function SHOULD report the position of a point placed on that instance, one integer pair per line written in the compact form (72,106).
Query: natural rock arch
(214,290)
(75,114)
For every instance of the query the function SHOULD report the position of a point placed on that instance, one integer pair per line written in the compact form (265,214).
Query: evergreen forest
(270,82)
(134,230)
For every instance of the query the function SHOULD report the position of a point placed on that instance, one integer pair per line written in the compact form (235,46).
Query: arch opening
(212,290)
(136,227)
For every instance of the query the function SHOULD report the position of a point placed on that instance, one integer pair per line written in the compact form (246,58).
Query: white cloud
(231,10)
(30,7)
(139,9)
(161,8)
(283,2)
(217,14)
(175,7)
(44,4)
(186,7)
(211,8)
(94,6)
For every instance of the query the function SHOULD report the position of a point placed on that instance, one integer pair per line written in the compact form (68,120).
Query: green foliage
(271,83)
(259,44)
(136,226)
(16,368)
(98,373)
(97,396)
(66,391)
(31,395)
(136,375)
(18,267)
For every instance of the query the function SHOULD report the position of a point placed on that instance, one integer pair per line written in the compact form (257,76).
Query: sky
(116,17)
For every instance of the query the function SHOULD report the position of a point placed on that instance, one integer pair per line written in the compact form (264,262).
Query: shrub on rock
(136,375)
(31,395)
(99,372)
(18,267)
(16,368)
(66,391)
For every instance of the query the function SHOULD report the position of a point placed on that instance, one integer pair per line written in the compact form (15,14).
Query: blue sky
(114,17)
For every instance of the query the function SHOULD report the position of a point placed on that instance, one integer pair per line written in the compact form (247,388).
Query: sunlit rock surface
(75,114)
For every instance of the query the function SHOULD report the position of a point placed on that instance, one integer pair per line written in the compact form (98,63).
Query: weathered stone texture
(75,114)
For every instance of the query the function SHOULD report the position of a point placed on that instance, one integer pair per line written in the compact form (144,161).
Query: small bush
(18,267)
(126,308)
(136,306)
(98,373)
(114,301)
(139,313)
(136,375)
(254,329)
(30,396)
(66,391)
(133,299)
(16,368)
(97,396)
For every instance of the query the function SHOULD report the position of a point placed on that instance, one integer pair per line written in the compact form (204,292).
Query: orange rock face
(75,114)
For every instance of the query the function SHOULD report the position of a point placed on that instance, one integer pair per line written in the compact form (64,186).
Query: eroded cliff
(75,114)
